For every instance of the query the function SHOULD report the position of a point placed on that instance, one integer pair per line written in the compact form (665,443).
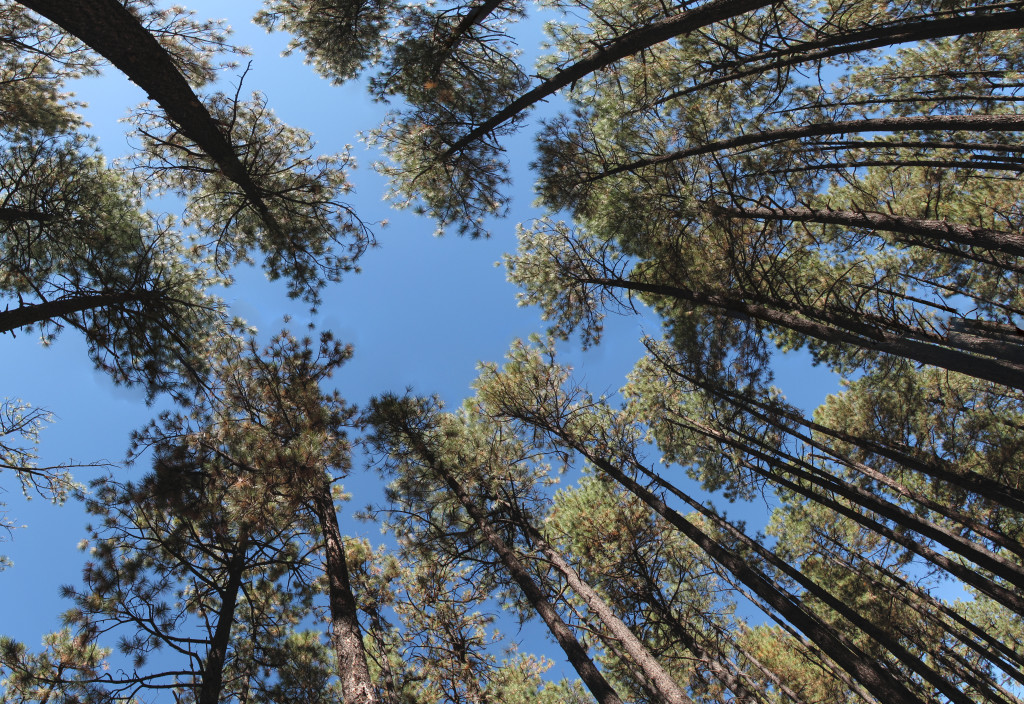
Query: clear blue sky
(422,313)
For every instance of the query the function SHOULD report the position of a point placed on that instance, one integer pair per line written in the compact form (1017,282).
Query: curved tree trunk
(901,32)
(969,123)
(620,48)
(66,306)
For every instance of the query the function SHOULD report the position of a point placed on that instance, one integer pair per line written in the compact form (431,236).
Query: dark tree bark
(876,680)
(826,483)
(474,16)
(629,43)
(109,29)
(996,240)
(989,648)
(566,639)
(346,636)
(216,655)
(67,306)
(650,669)
(847,655)
(23,215)
(772,416)
(902,32)
(970,482)
(967,123)
(836,329)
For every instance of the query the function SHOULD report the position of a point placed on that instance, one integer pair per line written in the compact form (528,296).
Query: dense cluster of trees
(765,175)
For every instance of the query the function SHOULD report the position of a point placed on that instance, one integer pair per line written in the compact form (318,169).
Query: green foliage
(20,424)
(452,64)
(302,220)
(77,251)
(840,177)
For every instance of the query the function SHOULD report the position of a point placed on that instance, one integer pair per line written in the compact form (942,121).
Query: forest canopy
(759,177)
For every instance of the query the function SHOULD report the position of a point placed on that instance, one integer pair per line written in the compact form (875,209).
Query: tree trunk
(970,482)
(837,330)
(969,123)
(67,306)
(660,680)
(988,647)
(216,655)
(576,653)
(996,240)
(787,464)
(630,43)
(863,669)
(966,520)
(22,215)
(109,29)
(356,685)
(901,32)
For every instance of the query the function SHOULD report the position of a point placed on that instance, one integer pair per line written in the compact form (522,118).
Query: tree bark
(660,680)
(566,639)
(770,415)
(971,123)
(216,655)
(876,680)
(356,685)
(630,43)
(969,481)
(109,29)
(997,592)
(902,32)
(67,306)
(989,648)
(800,469)
(23,214)
(996,240)
(840,331)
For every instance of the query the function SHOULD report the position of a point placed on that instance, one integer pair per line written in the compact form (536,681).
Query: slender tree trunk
(969,123)
(216,655)
(990,649)
(821,168)
(1007,597)
(858,621)
(996,240)
(566,639)
(902,32)
(783,463)
(773,415)
(629,43)
(660,680)
(356,685)
(964,519)
(475,15)
(837,330)
(970,482)
(878,681)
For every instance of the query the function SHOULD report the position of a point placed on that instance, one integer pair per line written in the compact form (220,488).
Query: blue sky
(423,312)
